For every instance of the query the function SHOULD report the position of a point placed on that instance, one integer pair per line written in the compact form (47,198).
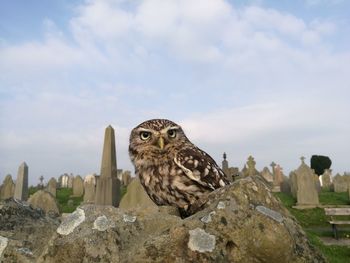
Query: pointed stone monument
(108,185)
(21,189)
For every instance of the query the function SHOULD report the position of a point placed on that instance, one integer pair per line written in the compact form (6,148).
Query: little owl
(172,170)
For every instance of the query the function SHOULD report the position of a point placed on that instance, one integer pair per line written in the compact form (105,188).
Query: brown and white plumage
(172,170)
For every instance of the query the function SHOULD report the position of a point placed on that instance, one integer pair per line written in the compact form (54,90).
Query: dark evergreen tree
(319,163)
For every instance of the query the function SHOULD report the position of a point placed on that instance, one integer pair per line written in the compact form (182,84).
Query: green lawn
(315,224)
(63,195)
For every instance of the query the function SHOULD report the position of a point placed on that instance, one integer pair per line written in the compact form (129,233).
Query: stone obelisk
(108,185)
(21,188)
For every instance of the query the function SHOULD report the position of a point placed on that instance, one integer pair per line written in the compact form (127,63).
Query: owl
(172,170)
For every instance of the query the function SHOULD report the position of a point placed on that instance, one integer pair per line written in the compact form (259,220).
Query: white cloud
(248,80)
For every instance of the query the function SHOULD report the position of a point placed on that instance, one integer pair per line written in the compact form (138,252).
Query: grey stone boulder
(242,222)
(24,231)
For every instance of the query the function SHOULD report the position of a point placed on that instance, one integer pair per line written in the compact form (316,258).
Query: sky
(264,78)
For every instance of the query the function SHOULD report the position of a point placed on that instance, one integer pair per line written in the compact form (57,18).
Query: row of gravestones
(302,183)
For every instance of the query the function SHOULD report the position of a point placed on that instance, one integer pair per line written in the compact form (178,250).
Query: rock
(24,231)
(247,224)
(44,200)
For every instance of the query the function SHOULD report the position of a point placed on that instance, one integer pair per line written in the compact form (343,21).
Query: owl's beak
(161,143)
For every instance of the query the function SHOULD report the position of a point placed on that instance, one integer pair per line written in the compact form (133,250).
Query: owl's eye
(145,135)
(172,133)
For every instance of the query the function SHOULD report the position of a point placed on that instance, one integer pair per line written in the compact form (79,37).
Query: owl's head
(155,137)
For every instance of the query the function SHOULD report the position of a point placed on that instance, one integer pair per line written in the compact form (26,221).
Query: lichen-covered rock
(242,222)
(24,231)
(71,221)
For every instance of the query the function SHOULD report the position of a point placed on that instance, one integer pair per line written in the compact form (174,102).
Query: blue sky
(267,78)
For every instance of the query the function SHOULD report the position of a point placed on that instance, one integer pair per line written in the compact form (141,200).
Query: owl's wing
(201,168)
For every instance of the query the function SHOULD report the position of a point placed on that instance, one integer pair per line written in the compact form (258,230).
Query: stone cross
(41,178)
(273,167)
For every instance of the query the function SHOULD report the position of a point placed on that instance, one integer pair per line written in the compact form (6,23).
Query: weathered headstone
(326,180)
(70,181)
(285,186)
(340,184)
(89,188)
(307,195)
(108,185)
(78,186)
(44,200)
(51,186)
(64,181)
(293,183)
(136,197)
(251,166)
(277,177)
(7,188)
(267,175)
(21,189)
(126,178)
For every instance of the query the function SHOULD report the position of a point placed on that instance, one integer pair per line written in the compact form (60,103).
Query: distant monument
(21,189)
(225,164)
(230,172)
(108,185)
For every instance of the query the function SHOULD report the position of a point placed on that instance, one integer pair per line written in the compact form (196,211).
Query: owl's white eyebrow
(170,128)
(144,129)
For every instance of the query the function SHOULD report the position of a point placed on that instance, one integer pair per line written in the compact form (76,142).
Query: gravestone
(136,197)
(285,186)
(225,165)
(126,178)
(293,183)
(70,181)
(244,171)
(44,200)
(307,195)
(326,179)
(108,185)
(277,177)
(64,180)
(21,188)
(251,166)
(78,186)
(267,175)
(51,186)
(7,188)
(340,184)
(89,188)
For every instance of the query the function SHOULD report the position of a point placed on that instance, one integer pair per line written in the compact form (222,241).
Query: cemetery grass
(62,197)
(316,225)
